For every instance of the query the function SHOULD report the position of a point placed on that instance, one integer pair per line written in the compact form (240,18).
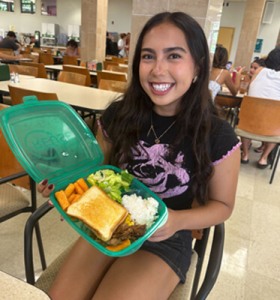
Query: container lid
(50,140)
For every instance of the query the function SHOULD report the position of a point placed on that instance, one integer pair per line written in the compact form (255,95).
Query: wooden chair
(79,70)
(258,119)
(83,63)
(189,290)
(230,104)
(110,76)
(42,73)
(24,70)
(106,63)
(7,51)
(46,58)
(35,58)
(117,69)
(25,51)
(37,50)
(17,94)
(71,77)
(119,60)
(14,201)
(70,60)
(111,85)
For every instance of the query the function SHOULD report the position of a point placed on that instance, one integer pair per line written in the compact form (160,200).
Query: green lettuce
(111,183)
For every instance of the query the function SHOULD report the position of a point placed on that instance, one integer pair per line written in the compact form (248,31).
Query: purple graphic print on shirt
(163,178)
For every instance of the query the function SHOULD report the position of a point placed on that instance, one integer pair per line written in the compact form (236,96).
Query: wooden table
(15,61)
(13,288)
(81,97)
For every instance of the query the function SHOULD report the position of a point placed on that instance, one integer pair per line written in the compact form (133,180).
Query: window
(7,5)
(48,8)
(28,6)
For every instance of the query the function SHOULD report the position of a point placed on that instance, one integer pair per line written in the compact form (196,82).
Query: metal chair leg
(40,246)
(275,164)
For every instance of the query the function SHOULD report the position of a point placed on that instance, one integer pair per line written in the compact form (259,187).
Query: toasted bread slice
(99,212)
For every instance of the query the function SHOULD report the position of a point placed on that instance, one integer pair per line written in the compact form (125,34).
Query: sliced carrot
(76,199)
(62,200)
(78,189)
(120,247)
(69,190)
(72,197)
(82,184)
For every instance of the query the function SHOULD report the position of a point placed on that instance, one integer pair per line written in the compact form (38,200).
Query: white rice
(142,211)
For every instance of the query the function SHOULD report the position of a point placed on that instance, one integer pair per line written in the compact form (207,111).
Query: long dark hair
(196,108)
(273,59)
(220,58)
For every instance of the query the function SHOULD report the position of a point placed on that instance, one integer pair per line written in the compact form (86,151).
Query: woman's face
(166,67)
(253,69)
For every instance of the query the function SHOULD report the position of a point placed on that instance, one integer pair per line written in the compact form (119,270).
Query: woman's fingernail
(45,182)
(50,186)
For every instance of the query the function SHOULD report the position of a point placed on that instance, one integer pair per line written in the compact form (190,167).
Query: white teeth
(161,87)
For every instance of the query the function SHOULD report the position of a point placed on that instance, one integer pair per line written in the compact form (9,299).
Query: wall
(269,33)
(232,16)
(68,13)
(120,12)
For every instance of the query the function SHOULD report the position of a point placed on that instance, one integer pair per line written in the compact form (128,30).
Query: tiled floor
(251,262)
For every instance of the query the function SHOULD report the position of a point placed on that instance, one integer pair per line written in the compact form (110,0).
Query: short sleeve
(223,141)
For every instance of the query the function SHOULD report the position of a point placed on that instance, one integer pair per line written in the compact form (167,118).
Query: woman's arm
(233,87)
(105,145)
(5,56)
(219,207)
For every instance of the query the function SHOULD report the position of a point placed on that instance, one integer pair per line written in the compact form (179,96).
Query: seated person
(265,83)
(32,41)
(73,49)
(5,56)
(254,66)
(9,42)
(220,75)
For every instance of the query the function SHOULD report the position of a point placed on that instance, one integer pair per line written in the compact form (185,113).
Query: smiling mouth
(161,87)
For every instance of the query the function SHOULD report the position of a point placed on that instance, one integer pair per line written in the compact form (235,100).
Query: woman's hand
(240,69)
(45,189)
(167,230)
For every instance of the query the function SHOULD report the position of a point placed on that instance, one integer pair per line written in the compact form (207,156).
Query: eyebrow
(166,50)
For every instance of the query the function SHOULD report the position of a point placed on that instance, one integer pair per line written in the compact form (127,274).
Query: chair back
(24,70)
(42,73)
(112,85)
(46,58)
(26,51)
(106,63)
(35,58)
(71,77)
(259,116)
(110,76)
(119,59)
(70,60)
(117,69)
(17,94)
(79,70)
(83,63)
(228,102)
(9,165)
(37,50)
(7,51)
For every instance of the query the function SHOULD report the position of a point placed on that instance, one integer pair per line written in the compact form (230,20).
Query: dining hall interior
(248,29)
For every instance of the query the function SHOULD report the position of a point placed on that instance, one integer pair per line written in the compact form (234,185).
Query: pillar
(249,32)
(93,29)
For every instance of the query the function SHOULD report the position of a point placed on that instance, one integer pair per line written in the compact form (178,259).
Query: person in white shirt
(122,45)
(264,84)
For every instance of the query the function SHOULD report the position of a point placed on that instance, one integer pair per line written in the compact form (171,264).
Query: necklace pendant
(157,141)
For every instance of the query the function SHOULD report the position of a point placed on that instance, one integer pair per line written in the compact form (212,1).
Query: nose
(159,68)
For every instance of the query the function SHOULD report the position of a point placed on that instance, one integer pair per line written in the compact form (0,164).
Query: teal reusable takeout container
(51,140)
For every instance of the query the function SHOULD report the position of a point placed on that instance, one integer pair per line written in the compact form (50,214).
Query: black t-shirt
(172,181)
(8,44)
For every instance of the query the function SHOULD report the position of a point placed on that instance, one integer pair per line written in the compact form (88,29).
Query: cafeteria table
(15,61)
(14,288)
(82,98)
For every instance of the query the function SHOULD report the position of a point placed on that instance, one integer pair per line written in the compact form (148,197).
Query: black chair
(189,290)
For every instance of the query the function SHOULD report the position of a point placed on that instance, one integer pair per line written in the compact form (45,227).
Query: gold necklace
(157,139)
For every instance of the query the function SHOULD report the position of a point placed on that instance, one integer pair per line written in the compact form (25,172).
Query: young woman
(219,75)
(165,131)
(73,49)
(265,83)
(122,45)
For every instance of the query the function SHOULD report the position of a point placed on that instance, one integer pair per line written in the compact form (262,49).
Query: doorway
(225,38)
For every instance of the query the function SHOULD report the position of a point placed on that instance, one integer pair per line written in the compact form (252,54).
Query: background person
(9,42)
(165,131)
(265,83)
(219,75)
(73,49)
(121,45)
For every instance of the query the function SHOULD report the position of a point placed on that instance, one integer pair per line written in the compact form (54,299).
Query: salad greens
(111,183)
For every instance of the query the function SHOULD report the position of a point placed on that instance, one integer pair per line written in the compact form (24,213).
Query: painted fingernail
(50,186)
(45,182)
